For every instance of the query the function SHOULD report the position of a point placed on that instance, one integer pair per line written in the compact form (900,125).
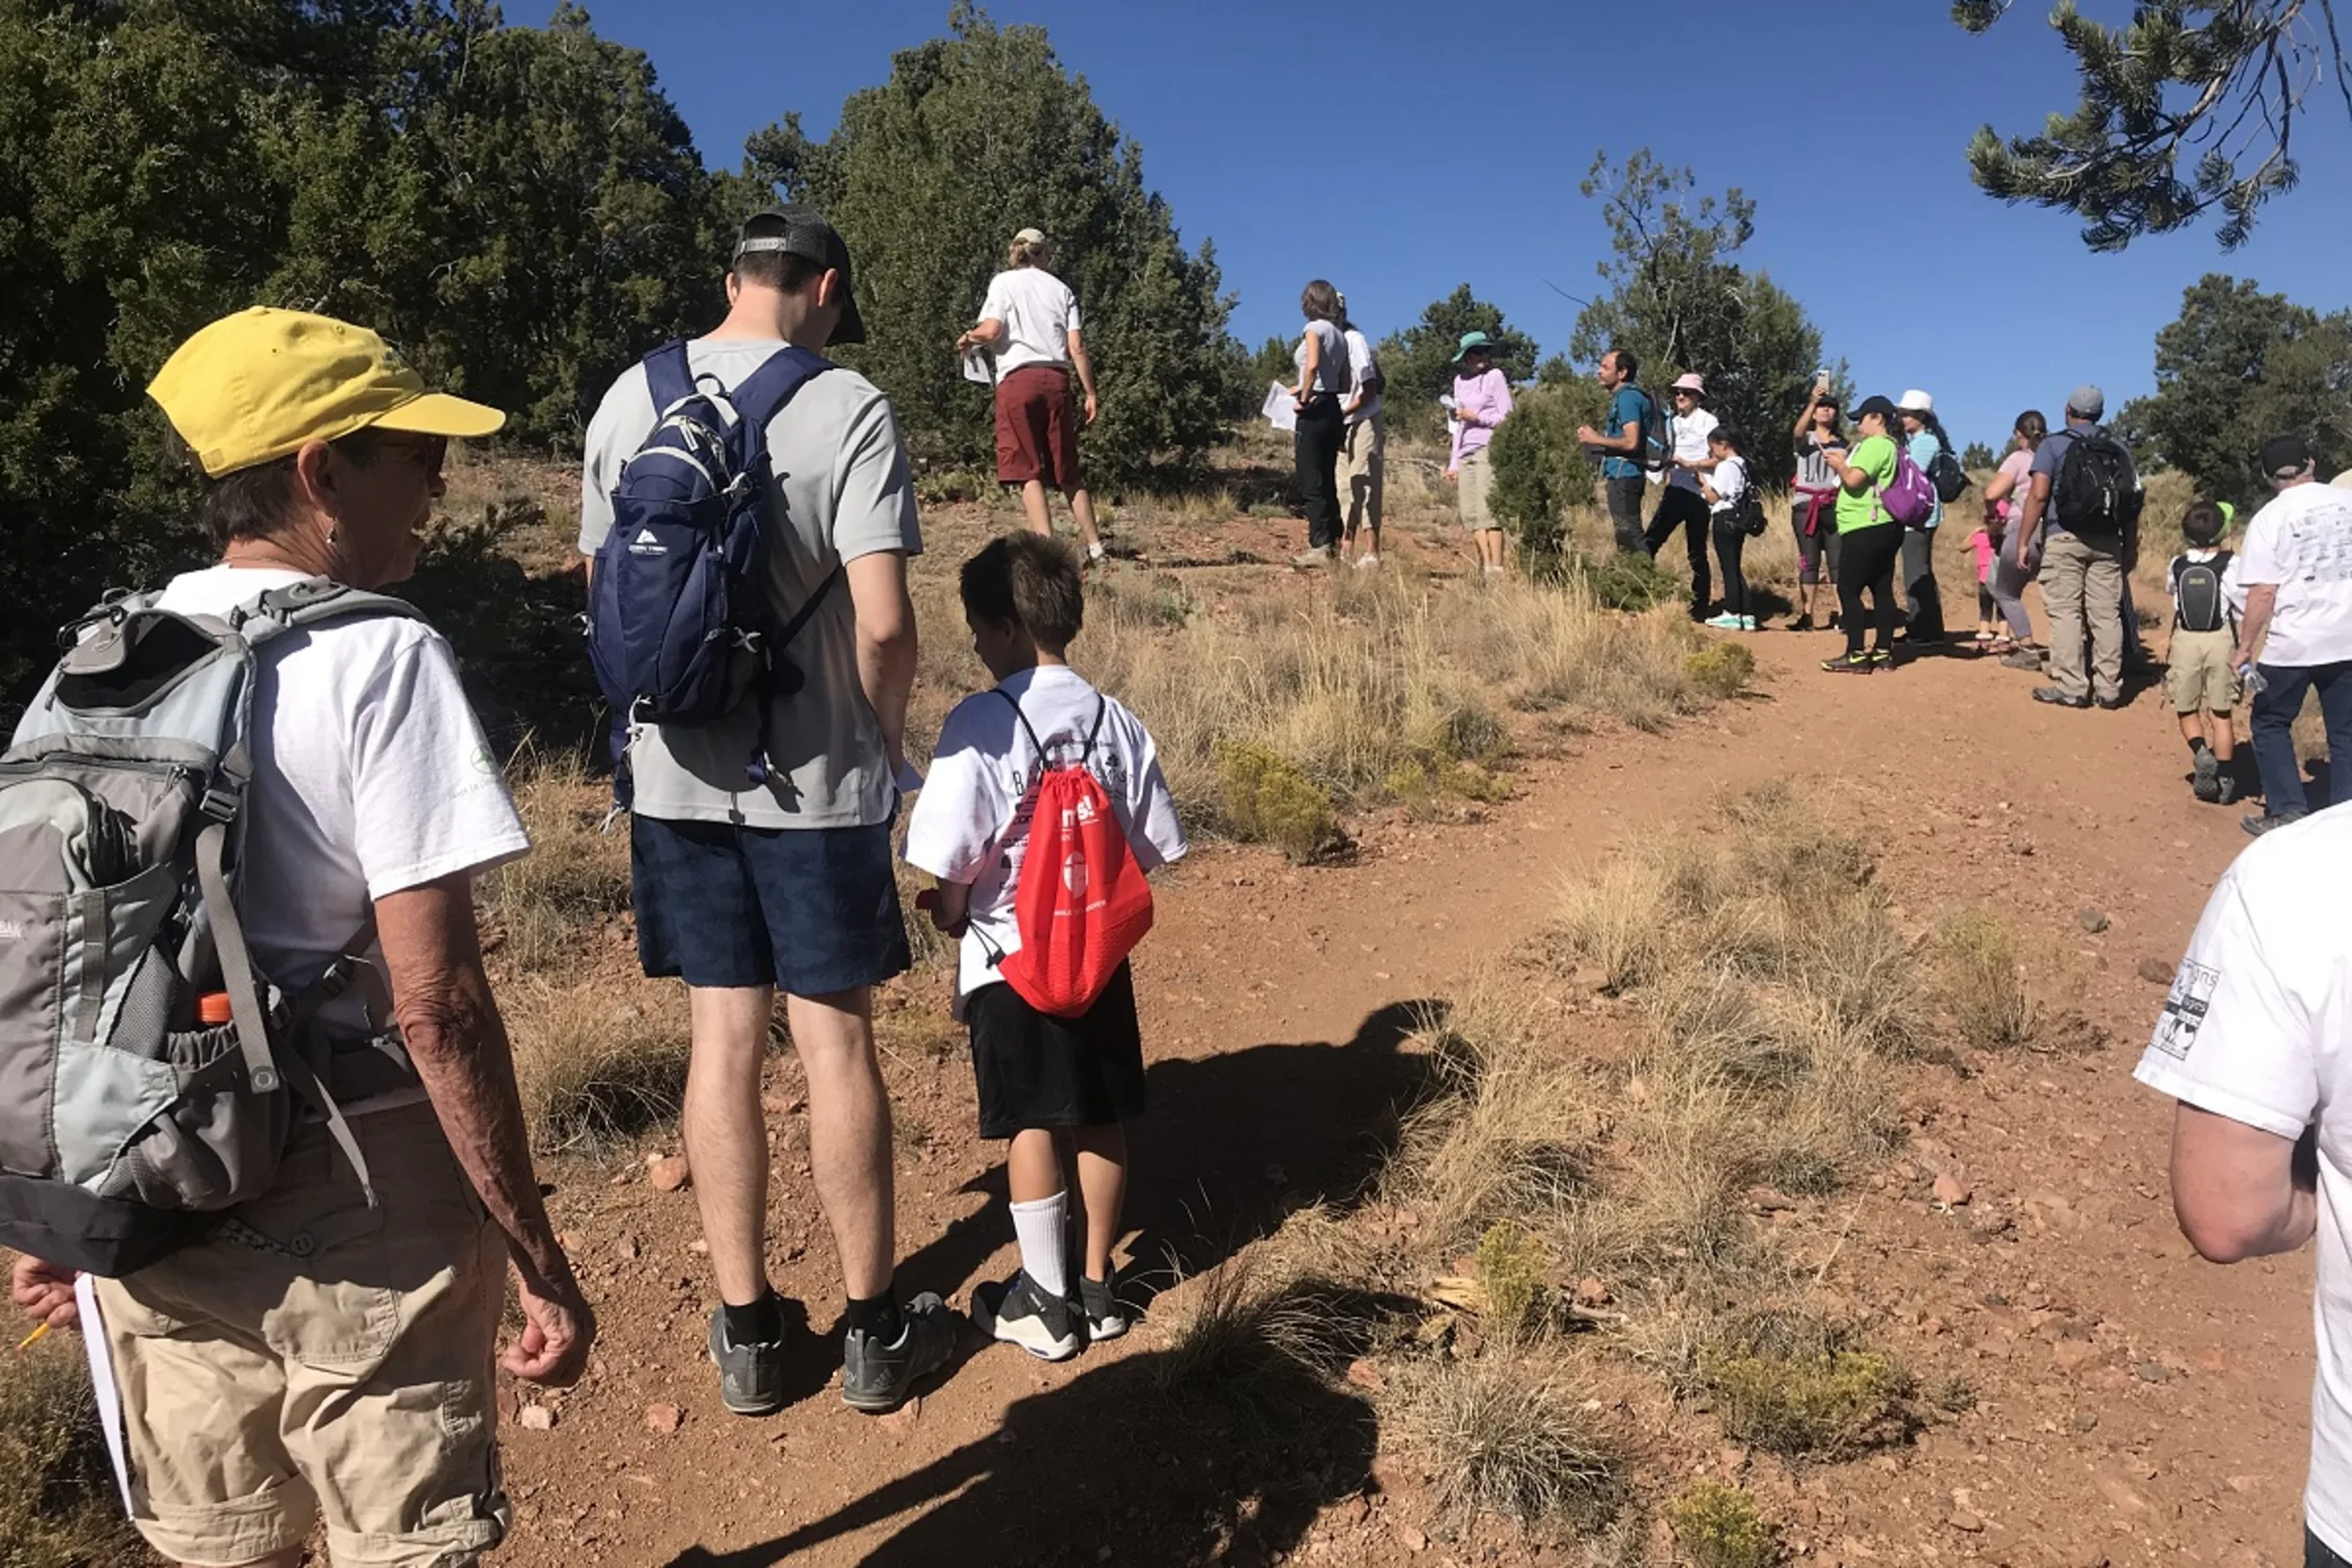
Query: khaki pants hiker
(2084,579)
(272,1374)
(1363,459)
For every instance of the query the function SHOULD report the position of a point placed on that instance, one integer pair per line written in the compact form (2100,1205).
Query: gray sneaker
(751,1376)
(876,1378)
(2268,822)
(2022,658)
(2205,782)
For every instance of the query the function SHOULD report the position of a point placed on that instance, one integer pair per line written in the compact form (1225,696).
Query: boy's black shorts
(1035,1069)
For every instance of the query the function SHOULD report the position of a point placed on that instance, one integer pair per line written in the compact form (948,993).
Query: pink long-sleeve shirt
(1488,398)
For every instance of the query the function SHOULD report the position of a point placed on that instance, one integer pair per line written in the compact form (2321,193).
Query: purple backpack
(1909,498)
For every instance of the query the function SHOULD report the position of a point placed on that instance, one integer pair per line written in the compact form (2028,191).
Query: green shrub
(1821,1401)
(1539,468)
(1270,799)
(1625,579)
(1511,1265)
(1719,670)
(1718,1526)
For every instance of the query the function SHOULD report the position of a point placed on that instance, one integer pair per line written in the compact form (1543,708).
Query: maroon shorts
(1036,428)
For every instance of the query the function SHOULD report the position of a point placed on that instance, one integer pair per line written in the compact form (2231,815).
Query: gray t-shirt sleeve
(873,496)
(621,424)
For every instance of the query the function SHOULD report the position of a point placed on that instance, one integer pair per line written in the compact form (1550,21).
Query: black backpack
(2199,604)
(2097,495)
(1945,473)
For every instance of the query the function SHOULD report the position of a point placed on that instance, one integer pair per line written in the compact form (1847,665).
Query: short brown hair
(1321,302)
(1030,581)
(255,502)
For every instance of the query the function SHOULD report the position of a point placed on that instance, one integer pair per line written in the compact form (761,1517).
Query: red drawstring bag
(1082,903)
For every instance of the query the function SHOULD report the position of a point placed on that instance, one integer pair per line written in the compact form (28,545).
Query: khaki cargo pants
(2082,590)
(1363,475)
(272,1374)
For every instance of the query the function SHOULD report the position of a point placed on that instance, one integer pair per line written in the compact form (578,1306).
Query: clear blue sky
(1448,152)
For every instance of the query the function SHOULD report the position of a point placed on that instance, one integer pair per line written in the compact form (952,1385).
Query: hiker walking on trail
(2004,502)
(2085,495)
(1625,448)
(1868,541)
(1481,403)
(2250,1044)
(1680,505)
(2200,675)
(1364,448)
(1030,325)
(1925,438)
(2295,571)
(1056,1048)
(328,1345)
(760,845)
(1813,510)
(1325,377)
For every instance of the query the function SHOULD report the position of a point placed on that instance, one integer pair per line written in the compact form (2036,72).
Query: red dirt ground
(2134,1405)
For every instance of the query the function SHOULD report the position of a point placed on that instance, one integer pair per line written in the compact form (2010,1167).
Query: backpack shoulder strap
(1101,706)
(668,376)
(1014,703)
(761,395)
(310,602)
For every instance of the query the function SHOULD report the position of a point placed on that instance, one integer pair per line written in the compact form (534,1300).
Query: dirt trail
(2134,1406)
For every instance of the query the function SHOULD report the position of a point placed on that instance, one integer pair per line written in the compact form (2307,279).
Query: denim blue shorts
(809,910)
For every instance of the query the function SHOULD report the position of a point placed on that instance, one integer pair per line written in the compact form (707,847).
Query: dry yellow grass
(594,1060)
(57,1502)
(543,903)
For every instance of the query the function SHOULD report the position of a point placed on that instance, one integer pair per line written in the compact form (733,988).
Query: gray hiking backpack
(139,1105)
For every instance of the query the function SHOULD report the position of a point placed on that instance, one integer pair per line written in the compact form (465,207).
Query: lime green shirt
(1875,455)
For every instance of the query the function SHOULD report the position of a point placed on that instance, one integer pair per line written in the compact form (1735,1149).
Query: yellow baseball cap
(257,385)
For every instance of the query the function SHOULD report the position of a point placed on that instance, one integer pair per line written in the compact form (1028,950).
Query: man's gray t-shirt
(2051,454)
(842,473)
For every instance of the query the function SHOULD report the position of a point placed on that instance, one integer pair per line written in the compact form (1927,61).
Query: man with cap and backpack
(748,513)
(2294,567)
(2083,490)
(276,1117)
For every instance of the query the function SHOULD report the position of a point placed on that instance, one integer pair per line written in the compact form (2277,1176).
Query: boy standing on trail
(2199,676)
(1059,1087)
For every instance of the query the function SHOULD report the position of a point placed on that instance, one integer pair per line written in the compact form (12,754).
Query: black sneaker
(2266,823)
(1019,1312)
(2205,783)
(876,1378)
(1882,658)
(2057,698)
(751,1376)
(1849,663)
(1105,1315)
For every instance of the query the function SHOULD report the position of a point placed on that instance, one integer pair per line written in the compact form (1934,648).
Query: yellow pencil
(26,1342)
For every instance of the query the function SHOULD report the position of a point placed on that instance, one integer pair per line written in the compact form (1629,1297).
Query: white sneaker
(1096,552)
(1320,555)
(1367,562)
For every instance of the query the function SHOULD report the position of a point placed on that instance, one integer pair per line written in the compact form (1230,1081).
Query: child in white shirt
(1059,1088)
(1725,485)
(2199,674)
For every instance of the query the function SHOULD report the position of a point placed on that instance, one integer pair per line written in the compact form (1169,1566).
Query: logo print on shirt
(2184,1010)
(11,930)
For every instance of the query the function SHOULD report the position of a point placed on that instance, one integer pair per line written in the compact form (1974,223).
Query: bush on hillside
(1541,471)
(1719,670)
(1270,799)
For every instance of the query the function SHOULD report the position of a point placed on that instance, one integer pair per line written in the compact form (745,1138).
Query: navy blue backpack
(679,626)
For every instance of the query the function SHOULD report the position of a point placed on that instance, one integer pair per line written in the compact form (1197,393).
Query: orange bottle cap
(213,1008)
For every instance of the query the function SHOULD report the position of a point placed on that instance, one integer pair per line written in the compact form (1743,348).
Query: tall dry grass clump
(542,904)
(57,1501)
(1510,1432)
(593,1063)
(1982,976)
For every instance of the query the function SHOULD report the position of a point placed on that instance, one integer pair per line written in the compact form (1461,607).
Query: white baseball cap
(1916,402)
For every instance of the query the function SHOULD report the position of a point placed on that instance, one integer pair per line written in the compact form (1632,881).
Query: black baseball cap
(1882,406)
(2284,456)
(798,231)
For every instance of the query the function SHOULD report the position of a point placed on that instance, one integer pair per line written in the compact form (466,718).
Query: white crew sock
(1040,1227)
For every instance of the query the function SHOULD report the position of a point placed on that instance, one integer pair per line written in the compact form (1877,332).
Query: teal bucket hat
(1471,341)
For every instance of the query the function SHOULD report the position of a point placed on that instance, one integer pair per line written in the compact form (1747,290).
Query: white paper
(1281,409)
(908,780)
(102,1383)
(980,366)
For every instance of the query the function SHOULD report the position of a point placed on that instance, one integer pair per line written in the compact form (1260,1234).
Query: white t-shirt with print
(370,775)
(971,822)
(1688,434)
(1359,365)
(1040,313)
(1730,482)
(841,475)
(2302,541)
(2258,1028)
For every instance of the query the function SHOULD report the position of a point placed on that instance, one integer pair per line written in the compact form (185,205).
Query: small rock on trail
(663,1418)
(2091,918)
(535,1418)
(668,1173)
(2155,971)
(1952,1189)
